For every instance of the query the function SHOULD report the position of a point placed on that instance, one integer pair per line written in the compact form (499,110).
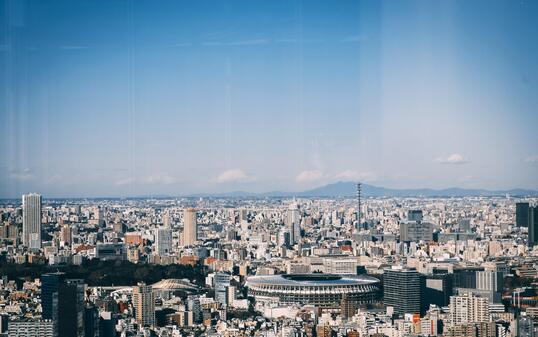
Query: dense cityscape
(268,168)
(459,266)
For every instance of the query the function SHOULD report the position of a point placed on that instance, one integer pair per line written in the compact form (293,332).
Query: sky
(136,97)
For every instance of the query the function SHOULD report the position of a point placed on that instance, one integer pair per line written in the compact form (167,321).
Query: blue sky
(119,98)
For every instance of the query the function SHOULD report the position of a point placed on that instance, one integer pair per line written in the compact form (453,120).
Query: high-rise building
(194,306)
(468,309)
(190,227)
(144,304)
(163,241)
(50,284)
(402,290)
(415,231)
(31,220)
(436,289)
(68,315)
(533,226)
(222,282)
(414,215)
(522,214)
(66,235)
(62,301)
(293,223)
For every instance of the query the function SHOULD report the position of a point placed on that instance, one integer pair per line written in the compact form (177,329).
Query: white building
(468,309)
(31,220)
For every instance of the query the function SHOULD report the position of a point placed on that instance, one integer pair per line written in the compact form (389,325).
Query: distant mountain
(348,189)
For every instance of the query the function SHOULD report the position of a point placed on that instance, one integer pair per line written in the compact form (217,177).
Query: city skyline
(116,99)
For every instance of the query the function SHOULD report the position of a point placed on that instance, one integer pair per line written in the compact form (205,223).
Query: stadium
(322,290)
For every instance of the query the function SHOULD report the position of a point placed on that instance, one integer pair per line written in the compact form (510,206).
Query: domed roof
(174,284)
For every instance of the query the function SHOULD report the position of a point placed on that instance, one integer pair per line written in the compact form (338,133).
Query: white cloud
(159,179)
(455,159)
(23,175)
(532,159)
(307,176)
(156,179)
(351,175)
(125,181)
(253,42)
(234,175)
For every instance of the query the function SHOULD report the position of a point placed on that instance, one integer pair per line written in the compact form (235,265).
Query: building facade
(31,220)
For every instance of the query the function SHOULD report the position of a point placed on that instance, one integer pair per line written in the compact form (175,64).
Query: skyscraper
(293,223)
(50,283)
(522,214)
(402,290)
(163,241)
(415,231)
(144,304)
(68,315)
(62,301)
(533,226)
(222,282)
(190,227)
(31,220)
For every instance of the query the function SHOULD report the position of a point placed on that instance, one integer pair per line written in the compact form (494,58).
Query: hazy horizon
(122,98)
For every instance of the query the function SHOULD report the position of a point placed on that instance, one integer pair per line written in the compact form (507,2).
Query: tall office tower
(31,220)
(194,305)
(222,282)
(414,215)
(436,289)
(402,290)
(359,204)
(533,226)
(50,284)
(190,227)
(99,216)
(243,215)
(66,235)
(163,241)
(522,214)
(68,315)
(62,301)
(144,304)
(415,231)
(468,309)
(166,220)
(293,223)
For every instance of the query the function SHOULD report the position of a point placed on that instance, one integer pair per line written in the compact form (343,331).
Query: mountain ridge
(348,189)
